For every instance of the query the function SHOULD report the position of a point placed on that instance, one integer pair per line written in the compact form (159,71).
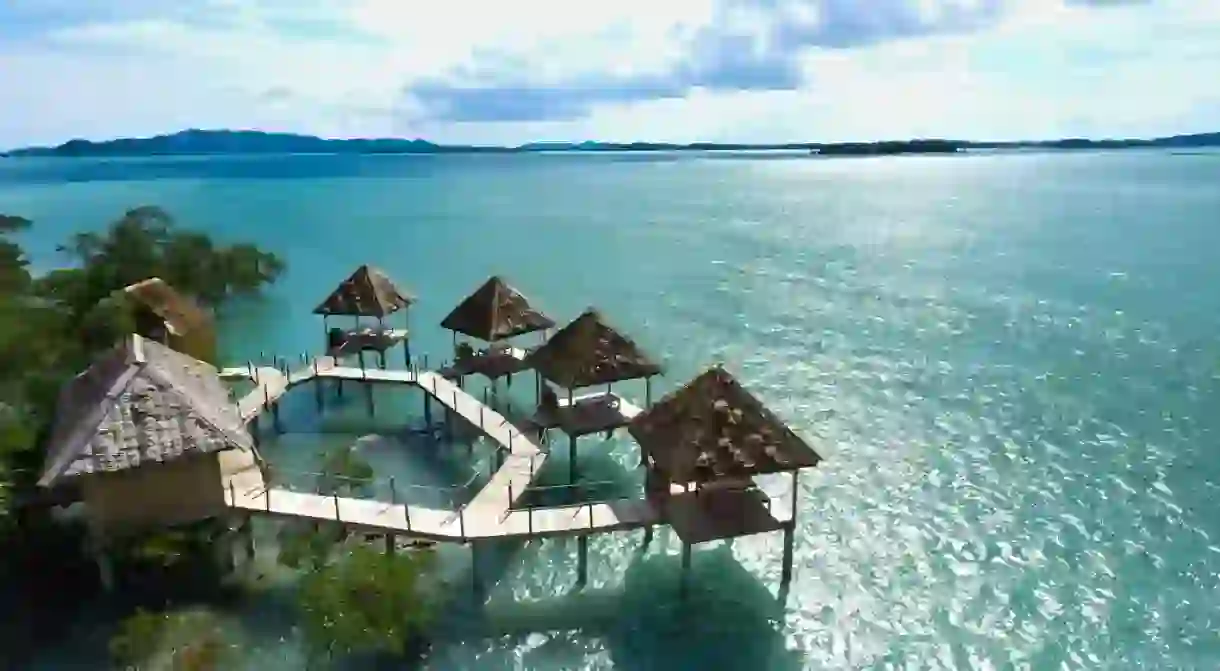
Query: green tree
(52,326)
(355,598)
(190,640)
(366,601)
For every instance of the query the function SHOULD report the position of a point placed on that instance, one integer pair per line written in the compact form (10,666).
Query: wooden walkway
(489,515)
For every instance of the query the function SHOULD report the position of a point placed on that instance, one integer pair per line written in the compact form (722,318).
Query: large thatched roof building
(142,427)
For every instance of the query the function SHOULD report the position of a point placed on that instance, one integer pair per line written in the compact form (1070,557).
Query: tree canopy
(53,325)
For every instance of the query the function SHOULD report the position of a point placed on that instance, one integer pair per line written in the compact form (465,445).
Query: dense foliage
(354,598)
(52,326)
(190,640)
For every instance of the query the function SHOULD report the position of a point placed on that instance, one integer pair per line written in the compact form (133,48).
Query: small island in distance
(212,142)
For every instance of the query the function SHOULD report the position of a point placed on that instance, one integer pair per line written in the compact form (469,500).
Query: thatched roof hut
(368,292)
(140,403)
(713,429)
(496,311)
(180,313)
(589,352)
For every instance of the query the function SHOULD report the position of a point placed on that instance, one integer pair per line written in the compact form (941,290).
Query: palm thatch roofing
(181,314)
(140,403)
(496,311)
(714,429)
(589,352)
(368,292)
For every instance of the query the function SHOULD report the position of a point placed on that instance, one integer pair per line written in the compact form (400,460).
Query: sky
(488,72)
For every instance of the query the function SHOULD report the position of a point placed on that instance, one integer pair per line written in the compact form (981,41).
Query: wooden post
(795,492)
(381,354)
(317,389)
(336,498)
(571,459)
(406,511)
(339,387)
(582,559)
(789,545)
(686,551)
(389,543)
(248,530)
(427,410)
(647,535)
(647,393)
(462,522)
(368,390)
(275,417)
(105,564)
(475,574)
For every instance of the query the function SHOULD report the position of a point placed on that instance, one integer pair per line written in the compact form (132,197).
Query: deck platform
(368,339)
(589,413)
(719,514)
(488,363)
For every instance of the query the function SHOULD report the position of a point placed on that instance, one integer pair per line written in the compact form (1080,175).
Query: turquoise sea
(1011,363)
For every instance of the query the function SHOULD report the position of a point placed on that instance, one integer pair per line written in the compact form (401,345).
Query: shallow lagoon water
(1008,361)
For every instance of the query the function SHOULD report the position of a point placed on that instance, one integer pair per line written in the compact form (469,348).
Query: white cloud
(342,69)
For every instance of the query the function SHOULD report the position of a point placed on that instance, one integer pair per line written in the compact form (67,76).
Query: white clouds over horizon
(681,70)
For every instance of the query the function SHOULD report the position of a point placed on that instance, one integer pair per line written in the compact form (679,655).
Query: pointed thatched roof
(369,292)
(714,429)
(588,352)
(180,313)
(496,311)
(140,403)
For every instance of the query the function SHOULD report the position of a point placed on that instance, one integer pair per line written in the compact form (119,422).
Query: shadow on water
(726,619)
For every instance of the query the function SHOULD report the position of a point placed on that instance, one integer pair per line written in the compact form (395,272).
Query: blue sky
(674,70)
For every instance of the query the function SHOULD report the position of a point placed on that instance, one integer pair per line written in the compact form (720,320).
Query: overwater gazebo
(703,445)
(370,293)
(588,352)
(171,318)
(495,314)
(146,430)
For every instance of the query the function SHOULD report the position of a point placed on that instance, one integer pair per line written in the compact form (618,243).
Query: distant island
(211,142)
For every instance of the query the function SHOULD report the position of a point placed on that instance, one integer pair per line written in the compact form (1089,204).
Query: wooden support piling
(571,460)
(389,543)
(686,552)
(789,546)
(368,391)
(275,417)
(647,535)
(476,575)
(582,560)
(248,532)
(105,563)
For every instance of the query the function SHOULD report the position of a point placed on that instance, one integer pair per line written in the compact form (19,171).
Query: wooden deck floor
(489,515)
